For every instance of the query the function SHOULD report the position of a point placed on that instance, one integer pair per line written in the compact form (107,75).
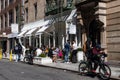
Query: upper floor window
(26,14)
(6,3)
(2,2)
(1,22)
(6,24)
(35,8)
(11,1)
(17,14)
(69,3)
(11,17)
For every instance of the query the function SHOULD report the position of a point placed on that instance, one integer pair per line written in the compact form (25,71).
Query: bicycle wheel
(83,68)
(25,59)
(105,72)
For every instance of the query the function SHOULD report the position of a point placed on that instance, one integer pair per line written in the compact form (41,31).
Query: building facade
(57,12)
(100,19)
(113,30)
(9,10)
(52,22)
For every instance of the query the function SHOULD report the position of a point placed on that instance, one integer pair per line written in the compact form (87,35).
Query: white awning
(21,34)
(41,30)
(31,27)
(34,25)
(29,33)
(72,14)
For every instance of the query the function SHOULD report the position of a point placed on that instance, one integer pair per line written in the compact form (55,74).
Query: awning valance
(12,35)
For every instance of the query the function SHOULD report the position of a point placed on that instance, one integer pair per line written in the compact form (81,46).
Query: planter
(79,56)
(42,60)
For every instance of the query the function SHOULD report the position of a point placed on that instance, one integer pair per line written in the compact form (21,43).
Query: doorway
(94,33)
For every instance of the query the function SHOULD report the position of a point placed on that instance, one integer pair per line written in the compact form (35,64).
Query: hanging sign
(72,29)
(14,28)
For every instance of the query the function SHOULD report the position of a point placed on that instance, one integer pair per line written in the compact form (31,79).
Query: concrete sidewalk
(74,67)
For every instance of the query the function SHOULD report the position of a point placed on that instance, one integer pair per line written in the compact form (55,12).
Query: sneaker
(107,73)
(94,71)
(67,62)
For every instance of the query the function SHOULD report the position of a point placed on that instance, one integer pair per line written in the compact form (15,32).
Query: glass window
(1,4)
(35,8)
(6,24)
(17,14)
(1,22)
(11,1)
(26,10)
(11,17)
(6,3)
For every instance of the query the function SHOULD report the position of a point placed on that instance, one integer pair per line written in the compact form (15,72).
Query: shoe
(94,71)
(107,73)
(67,62)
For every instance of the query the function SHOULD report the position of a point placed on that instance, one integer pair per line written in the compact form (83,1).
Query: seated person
(38,51)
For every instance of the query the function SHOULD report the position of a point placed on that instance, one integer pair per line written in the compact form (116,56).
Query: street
(20,71)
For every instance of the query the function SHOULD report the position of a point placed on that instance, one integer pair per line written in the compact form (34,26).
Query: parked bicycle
(104,70)
(28,59)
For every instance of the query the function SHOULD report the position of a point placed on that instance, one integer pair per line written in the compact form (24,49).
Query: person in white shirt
(38,51)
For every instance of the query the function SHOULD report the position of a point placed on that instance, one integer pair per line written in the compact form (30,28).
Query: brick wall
(31,10)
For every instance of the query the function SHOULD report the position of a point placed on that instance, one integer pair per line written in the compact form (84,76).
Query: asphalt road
(20,71)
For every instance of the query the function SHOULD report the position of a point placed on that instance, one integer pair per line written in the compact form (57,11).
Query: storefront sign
(14,28)
(72,29)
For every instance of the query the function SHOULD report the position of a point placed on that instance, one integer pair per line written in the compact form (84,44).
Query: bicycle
(104,70)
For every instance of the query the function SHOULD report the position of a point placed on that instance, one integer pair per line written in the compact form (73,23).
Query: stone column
(40,40)
(29,40)
(103,19)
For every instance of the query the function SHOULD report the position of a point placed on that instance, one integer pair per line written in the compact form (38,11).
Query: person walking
(18,51)
(67,51)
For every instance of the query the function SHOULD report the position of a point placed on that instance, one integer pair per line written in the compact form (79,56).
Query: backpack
(20,47)
(84,47)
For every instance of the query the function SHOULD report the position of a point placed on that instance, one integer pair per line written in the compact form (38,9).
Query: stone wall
(113,30)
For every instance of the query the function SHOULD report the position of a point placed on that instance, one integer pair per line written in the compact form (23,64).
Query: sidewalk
(115,69)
